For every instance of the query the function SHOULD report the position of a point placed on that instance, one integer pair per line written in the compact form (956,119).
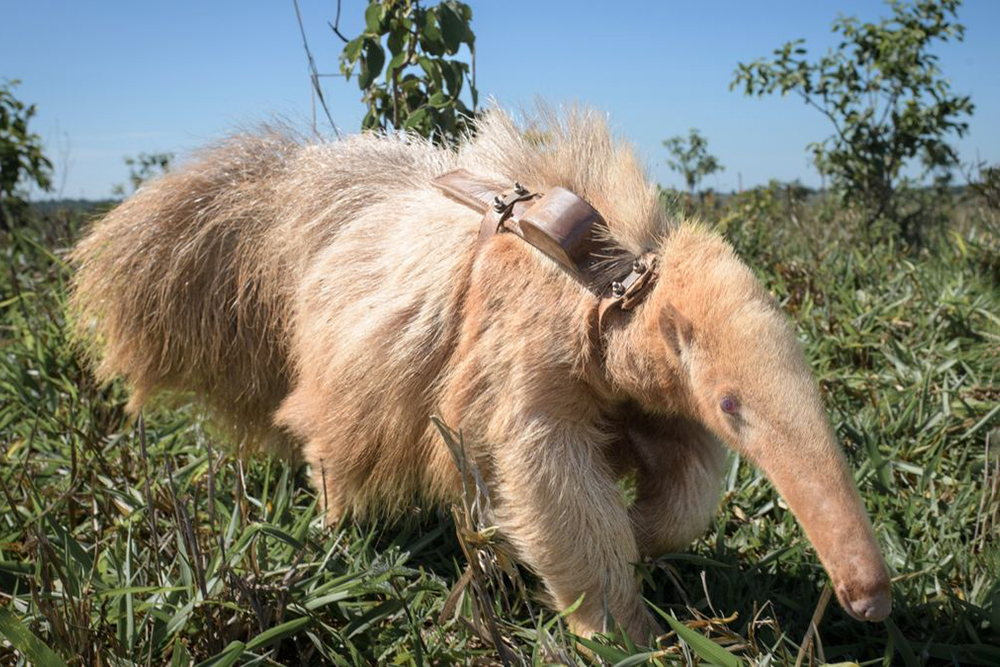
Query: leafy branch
(423,82)
(884,94)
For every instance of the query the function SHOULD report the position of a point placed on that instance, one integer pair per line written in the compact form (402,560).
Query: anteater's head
(712,344)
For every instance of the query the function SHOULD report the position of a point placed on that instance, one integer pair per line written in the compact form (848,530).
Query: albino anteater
(331,291)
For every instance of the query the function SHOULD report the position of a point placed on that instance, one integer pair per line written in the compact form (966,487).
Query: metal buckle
(631,287)
(503,205)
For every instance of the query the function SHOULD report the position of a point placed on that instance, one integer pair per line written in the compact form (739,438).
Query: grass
(145,542)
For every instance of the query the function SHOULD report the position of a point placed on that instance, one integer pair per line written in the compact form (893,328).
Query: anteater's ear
(677,329)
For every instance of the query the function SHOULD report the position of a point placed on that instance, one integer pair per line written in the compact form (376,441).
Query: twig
(824,599)
(313,72)
(184,524)
(211,504)
(335,26)
(708,598)
(473,517)
(151,507)
(988,506)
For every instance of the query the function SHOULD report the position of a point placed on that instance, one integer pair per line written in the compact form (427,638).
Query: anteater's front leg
(558,504)
(679,473)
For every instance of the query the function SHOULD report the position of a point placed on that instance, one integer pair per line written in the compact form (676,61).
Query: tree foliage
(884,94)
(690,158)
(987,185)
(422,85)
(21,157)
(142,168)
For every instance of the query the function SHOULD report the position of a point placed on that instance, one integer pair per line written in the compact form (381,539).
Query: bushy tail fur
(169,292)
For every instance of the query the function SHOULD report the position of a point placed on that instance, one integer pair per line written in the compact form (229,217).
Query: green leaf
(704,647)
(415,119)
(227,658)
(180,657)
(278,632)
(458,70)
(373,18)
(397,62)
(397,38)
(430,36)
(370,121)
(452,28)
(565,613)
(23,640)
(374,60)
(353,49)
(451,79)
(609,653)
(638,659)
(901,644)
(882,469)
(432,70)
(279,534)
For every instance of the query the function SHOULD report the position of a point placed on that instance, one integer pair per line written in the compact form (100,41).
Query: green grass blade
(609,653)
(902,644)
(704,647)
(22,639)
(278,632)
(227,658)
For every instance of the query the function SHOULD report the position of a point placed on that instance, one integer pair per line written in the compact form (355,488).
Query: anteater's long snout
(875,606)
(818,487)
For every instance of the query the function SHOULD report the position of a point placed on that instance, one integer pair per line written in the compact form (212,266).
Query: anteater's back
(192,284)
(187,285)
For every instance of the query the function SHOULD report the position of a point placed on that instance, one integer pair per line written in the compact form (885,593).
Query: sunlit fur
(326,295)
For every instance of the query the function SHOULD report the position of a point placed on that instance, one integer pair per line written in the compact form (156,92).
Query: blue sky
(116,78)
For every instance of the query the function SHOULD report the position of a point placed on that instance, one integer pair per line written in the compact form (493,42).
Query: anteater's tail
(171,293)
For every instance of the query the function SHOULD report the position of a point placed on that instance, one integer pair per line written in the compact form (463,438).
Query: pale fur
(330,292)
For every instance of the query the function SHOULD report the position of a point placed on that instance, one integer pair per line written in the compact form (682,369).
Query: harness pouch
(564,227)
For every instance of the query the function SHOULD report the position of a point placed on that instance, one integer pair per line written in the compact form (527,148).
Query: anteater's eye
(729,405)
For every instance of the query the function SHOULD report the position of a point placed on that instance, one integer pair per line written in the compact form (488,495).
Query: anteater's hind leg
(678,474)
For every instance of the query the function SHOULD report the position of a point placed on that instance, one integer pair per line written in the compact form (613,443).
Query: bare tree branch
(335,26)
(313,73)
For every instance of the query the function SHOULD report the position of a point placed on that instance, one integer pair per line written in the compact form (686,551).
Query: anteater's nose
(875,606)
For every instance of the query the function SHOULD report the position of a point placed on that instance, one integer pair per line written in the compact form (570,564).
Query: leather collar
(565,227)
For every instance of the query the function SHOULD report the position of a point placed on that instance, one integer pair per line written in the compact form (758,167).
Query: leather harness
(564,227)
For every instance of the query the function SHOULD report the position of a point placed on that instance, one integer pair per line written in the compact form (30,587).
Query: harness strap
(565,227)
